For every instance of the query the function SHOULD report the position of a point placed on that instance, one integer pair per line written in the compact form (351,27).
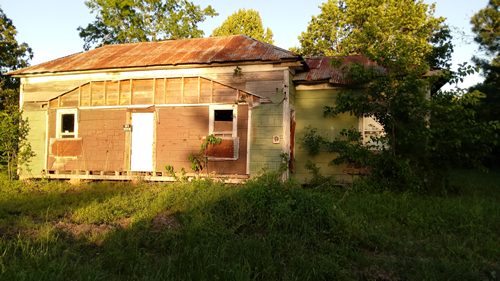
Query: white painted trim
(163,71)
(249,139)
(321,86)
(46,160)
(285,146)
(211,115)
(143,106)
(59,113)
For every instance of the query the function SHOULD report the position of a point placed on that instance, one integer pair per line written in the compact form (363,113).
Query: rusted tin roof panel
(238,48)
(330,69)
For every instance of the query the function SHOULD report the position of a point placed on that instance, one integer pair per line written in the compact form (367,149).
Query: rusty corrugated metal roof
(237,48)
(330,69)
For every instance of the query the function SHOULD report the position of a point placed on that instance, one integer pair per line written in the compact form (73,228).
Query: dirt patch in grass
(84,229)
(165,220)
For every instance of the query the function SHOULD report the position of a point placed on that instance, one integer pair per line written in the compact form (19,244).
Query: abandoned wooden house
(124,110)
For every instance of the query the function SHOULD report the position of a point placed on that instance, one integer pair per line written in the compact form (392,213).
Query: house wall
(309,107)
(180,131)
(37,120)
(103,141)
(100,145)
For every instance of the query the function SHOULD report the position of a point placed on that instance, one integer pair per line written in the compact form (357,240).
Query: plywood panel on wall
(101,141)
(180,132)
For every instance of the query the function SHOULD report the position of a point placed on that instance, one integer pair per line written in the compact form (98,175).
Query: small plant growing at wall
(15,150)
(171,172)
(199,161)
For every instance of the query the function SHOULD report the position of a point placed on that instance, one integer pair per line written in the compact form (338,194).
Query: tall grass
(263,230)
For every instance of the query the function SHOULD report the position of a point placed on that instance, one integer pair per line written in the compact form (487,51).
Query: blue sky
(49,26)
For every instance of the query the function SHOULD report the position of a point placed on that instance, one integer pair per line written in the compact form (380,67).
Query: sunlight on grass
(264,230)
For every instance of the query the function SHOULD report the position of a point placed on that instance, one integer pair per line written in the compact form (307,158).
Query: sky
(49,27)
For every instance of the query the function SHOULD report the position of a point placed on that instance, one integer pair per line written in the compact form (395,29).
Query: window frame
(211,122)
(59,114)
(234,134)
(377,129)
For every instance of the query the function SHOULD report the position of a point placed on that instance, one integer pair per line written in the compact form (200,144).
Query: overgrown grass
(263,230)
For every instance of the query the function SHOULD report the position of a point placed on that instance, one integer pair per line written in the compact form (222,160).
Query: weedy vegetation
(263,230)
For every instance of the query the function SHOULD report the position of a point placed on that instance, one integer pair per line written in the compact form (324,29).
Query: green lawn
(263,230)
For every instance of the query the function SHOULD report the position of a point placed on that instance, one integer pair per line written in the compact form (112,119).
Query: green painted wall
(36,136)
(309,106)
(267,121)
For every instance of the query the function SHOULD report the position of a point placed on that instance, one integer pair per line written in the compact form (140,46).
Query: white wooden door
(142,142)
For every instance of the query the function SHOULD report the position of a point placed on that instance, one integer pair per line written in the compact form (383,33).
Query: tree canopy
(390,32)
(13,54)
(14,149)
(124,21)
(425,134)
(486,27)
(246,22)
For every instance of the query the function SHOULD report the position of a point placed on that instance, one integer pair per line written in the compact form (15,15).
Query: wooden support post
(199,88)
(182,89)
(211,91)
(80,95)
(105,85)
(154,91)
(119,91)
(130,92)
(165,90)
(90,93)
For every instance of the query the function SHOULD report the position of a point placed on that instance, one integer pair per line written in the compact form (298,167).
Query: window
(223,124)
(370,130)
(223,121)
(67,124)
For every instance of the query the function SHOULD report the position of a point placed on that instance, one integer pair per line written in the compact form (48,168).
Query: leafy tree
(13,55)
(486,26)
(13,128)
(246,22)
(425,135)
(391,32)
(122,21)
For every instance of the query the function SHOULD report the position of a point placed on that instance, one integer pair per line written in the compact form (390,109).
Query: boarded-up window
(70,99)
(142,92)
(191,90)
(97,93)
(112,88)
(125,92)
(159,91)
(85,95)
(174,91)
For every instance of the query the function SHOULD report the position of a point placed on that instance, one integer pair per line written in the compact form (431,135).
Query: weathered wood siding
(309,107)
(37,120)
(180,131)
(100,145)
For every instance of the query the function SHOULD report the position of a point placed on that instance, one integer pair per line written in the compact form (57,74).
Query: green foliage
(263,230)
(393,33)
(142,20)
(15,151)
(486,26)
(246,22)
(13,54)
(199,161)
(424,135)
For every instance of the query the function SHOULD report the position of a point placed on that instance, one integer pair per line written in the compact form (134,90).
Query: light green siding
(36,137)
(309,107)
(267,121)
